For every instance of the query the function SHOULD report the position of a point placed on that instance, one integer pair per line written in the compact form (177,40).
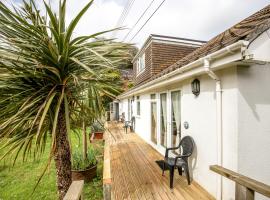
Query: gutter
(162,81)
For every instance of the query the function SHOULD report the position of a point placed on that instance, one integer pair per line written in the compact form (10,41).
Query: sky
(194,19)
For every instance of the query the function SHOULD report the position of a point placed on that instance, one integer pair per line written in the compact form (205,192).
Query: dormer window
(140,64)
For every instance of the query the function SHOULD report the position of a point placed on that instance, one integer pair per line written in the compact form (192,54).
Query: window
(138,106)
(140,64)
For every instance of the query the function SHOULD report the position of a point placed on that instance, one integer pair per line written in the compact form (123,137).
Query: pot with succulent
(84,168)
(97,131)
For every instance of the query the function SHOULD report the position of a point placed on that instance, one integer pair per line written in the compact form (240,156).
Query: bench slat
(75,190)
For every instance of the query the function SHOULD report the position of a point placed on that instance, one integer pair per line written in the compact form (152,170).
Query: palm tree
(43,73)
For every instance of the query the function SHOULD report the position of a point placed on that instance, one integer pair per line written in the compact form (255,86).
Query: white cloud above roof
(195,19)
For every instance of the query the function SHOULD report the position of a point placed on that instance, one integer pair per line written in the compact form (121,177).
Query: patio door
(175,117)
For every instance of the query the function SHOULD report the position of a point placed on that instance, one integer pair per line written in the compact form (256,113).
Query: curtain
(155,113)
(154,121)
(163,99)
(176,109)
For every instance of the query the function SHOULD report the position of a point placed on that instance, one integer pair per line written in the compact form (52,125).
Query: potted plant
(97,131)
(84,168)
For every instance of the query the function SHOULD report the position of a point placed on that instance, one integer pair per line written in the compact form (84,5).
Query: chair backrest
(187,145)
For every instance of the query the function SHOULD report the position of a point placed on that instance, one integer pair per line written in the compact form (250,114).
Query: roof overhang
(219,59)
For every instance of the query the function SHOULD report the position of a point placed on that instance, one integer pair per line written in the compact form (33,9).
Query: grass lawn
(18,182)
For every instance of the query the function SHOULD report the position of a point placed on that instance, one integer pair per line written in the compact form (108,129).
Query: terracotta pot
(87,175)
(98,135)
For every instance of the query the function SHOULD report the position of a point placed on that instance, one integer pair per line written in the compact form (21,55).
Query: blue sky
(197,19)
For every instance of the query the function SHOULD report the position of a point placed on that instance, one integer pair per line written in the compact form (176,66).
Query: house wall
(245,120)
(254,122)
(200,113)
(123,107)
(142,128)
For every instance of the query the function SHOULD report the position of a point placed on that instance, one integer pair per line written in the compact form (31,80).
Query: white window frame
(140,64)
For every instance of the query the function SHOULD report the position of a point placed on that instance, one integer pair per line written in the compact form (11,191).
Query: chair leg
(163,169)
(186,168)
(180,171)
(171,177)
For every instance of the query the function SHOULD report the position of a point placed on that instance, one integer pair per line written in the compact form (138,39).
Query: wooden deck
(134,173)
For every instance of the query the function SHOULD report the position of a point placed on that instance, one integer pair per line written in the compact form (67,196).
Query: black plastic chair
(130,124)
(186,147)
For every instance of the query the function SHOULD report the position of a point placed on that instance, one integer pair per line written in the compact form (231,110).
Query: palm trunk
(62,156)
(84,145)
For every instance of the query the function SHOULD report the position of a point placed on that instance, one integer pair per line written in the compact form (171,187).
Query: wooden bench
(75,191)
(245,187)
(107,179)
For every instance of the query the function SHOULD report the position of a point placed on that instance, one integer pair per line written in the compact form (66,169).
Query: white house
(228,118)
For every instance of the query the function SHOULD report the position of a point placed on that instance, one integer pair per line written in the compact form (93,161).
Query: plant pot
(96,136)
(87,175)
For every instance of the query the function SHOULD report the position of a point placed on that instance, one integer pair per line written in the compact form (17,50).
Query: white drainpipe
(219,122)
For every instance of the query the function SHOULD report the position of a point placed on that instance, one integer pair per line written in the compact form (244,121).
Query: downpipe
(214,76)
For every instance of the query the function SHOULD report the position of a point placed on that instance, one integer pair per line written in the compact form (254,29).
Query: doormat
(160,164)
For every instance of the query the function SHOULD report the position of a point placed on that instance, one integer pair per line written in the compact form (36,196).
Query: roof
(248,29)
(170,40)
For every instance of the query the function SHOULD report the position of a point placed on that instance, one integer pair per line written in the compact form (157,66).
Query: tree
(43,73)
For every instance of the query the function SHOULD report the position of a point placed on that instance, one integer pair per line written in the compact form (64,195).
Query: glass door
(153,119)
(175,117)
(163,119)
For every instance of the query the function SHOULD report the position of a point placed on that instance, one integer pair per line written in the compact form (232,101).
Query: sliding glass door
(153,119)
(175,117)
(163,119)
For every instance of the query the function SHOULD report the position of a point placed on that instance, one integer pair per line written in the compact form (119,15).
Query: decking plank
(135,175)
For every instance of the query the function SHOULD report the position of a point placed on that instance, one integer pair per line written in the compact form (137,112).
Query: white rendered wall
(143,121)
(123,107)
(229,128)
(200,113)
(254,122)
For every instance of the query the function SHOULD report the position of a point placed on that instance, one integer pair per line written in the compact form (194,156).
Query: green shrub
(78,163)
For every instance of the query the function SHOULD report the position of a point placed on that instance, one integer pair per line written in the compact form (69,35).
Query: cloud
(101,16)
(197,19)
(194,19)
